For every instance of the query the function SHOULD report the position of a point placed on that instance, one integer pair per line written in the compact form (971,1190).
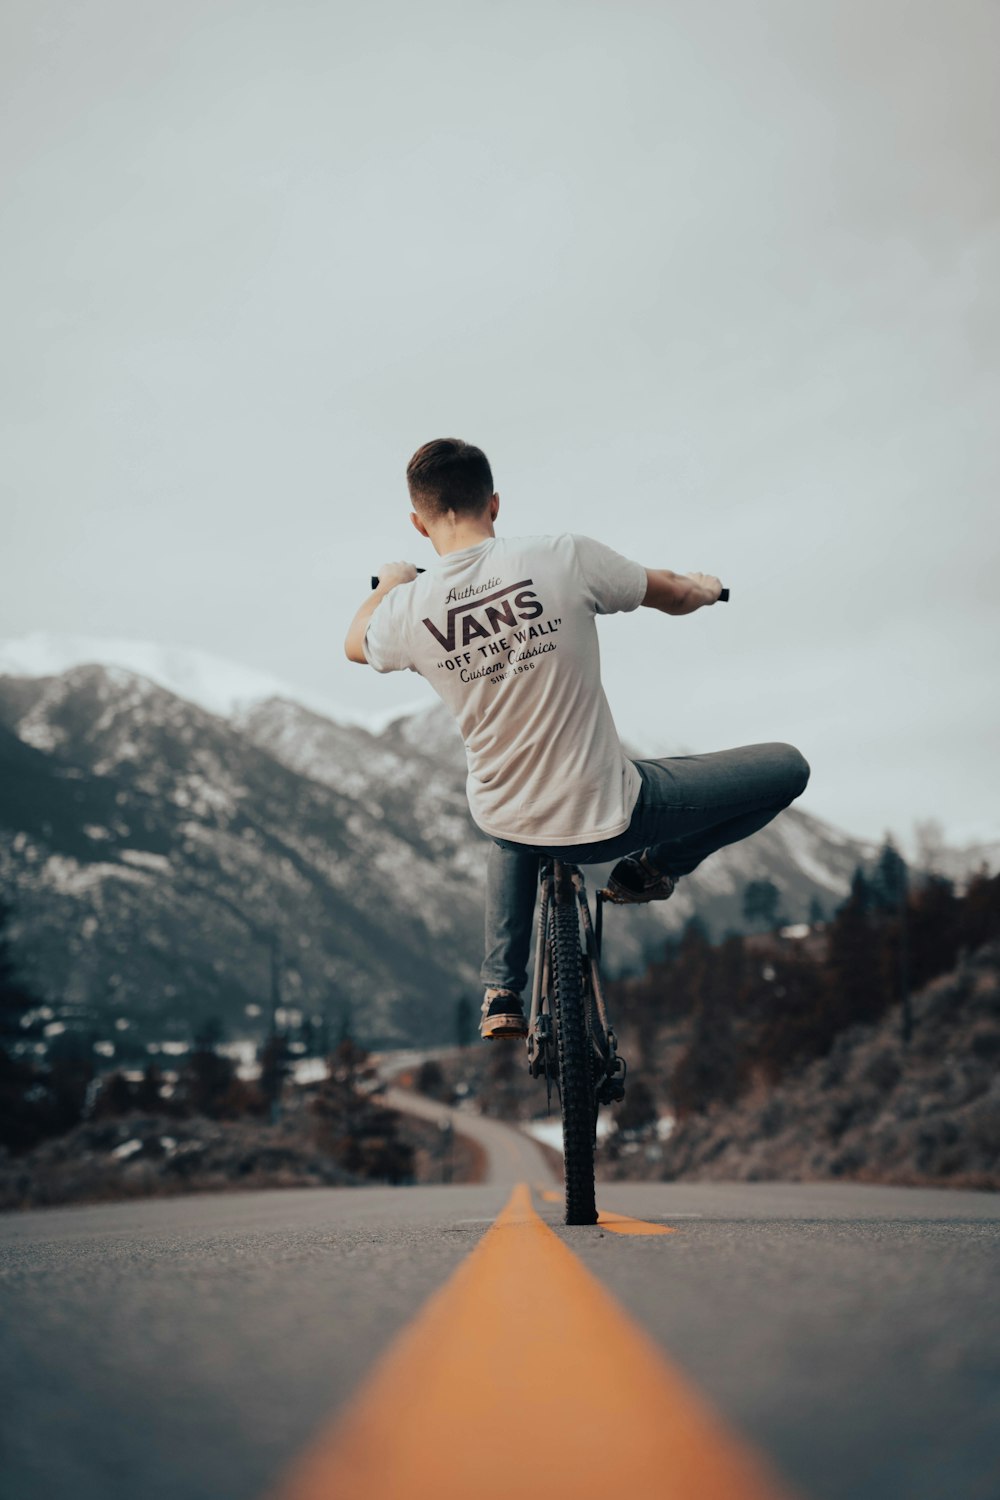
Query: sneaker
(503,1017)
(635,880)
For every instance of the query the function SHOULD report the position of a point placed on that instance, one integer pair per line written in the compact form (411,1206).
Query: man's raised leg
(692,805)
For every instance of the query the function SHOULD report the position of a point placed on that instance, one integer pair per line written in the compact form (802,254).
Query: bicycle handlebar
(375,577)
(723,597)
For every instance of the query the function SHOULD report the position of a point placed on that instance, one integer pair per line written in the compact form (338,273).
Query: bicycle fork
(541,1038)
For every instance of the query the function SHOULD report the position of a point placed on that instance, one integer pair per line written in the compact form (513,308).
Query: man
(504,631)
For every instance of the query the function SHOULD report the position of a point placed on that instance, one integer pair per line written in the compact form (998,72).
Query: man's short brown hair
(449,475)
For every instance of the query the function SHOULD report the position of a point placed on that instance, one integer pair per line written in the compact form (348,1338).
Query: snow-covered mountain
(212,682)
(153,847)
(152,850)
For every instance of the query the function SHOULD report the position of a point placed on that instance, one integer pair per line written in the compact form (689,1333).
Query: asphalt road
(191,1348)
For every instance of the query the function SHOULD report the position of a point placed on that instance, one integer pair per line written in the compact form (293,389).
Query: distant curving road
(511,1156)
(832,1341)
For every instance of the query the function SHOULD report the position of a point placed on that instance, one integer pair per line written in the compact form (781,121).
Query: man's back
(504,632)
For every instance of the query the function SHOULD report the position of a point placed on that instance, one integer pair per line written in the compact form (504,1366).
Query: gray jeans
(688,806)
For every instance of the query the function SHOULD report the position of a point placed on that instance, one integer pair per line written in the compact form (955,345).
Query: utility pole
(275,981)
(904,956)
(447,1150)
(277,1049)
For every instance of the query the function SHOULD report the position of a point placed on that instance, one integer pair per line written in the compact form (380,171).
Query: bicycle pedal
(611,1091)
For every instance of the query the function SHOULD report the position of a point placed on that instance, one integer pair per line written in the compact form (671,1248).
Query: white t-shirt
(505,634)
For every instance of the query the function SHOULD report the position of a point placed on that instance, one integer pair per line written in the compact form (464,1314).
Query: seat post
(563,882)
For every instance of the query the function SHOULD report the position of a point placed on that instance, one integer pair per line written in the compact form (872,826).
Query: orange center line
(616,1223)
(622,1224)
(522,1376)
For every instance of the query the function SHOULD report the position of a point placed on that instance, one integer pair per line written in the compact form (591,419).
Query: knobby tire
(576,1076)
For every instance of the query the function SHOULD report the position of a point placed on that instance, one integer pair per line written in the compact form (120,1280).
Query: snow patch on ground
(126,1149)
(549,1132)
(40,735)
(71,878)
(144,860)
(310,1070)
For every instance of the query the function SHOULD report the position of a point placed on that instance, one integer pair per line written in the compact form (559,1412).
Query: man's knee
(794,770)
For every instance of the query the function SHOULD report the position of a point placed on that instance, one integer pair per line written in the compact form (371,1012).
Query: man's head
(449,480)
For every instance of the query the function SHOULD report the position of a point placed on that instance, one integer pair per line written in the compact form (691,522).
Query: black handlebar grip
(375,580)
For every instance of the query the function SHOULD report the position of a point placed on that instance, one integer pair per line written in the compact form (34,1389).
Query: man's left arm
(680,593)
(390,576)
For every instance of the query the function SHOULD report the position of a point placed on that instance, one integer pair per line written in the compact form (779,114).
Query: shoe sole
(622,896)
(502,1028)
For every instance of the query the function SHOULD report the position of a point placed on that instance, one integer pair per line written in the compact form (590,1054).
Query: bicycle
(570,1040)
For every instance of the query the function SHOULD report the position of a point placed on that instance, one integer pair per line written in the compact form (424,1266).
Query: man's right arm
(679,593)
(391,575)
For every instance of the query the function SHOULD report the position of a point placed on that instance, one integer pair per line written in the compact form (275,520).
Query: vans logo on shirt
(482,618)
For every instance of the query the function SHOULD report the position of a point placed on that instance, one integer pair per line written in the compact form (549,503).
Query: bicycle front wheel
(576,1079)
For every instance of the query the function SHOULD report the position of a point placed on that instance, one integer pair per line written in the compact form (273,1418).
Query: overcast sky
(715,283)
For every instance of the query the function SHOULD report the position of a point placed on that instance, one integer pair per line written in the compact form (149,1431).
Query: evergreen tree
(637,1113)
(355,1129)
(890,880)
(430,1080)
(890,884)
(67,1083)
(115,1096)
(857,991)
(28,1108)
(323,1033)
(15,997)
(761,900)
(788,1002)
(308,1034)
(861,897)
(274,1067)
(207,1075)
(149,1093)
(710,1070)
(935,917)
(980,916)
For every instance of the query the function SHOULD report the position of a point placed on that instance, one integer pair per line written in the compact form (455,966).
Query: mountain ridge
(155,850)
(216,683)
(137,827)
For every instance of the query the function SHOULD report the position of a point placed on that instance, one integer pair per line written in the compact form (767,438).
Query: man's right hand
(390,575)
(393,573)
